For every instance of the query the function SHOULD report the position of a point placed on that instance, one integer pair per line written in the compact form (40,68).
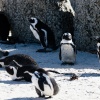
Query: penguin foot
(71,63)
(42,96)
(48,97)
(43,50)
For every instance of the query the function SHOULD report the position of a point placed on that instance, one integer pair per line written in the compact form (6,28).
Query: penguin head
(67,36)
(12,67)
(33,20)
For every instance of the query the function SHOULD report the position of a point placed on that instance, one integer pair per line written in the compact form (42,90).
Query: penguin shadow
(70,64)
(37,98)
(11,82)
(1,69)
(90,75)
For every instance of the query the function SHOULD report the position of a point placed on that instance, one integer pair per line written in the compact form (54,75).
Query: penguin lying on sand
(43,34)
(67,52)
(16,71)
(44,84)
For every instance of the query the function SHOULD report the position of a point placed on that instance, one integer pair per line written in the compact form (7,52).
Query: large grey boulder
(57,14)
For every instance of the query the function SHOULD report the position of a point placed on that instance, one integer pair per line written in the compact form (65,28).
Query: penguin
(43,34)
(22,59)
(16,71)
(98,48)
(45,85)
(67,53)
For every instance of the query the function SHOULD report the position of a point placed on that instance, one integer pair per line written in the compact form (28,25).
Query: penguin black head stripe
(42,33)
(12,70)
(33,20)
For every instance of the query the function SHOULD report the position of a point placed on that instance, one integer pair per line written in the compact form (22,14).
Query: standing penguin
(43,33)
(44,84)
(67,52)
(98,48)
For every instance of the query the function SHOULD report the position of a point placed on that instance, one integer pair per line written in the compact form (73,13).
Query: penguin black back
(22,59)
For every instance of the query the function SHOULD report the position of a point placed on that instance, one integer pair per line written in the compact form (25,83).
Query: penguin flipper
(74,46)
(43,39)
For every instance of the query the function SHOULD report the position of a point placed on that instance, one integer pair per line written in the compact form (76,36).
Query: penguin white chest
(67,53)
(14,76)
(48,90)
(35,33)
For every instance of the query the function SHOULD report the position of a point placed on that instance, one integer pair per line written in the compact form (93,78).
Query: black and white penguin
(16,71)
(98,48)
(44,84)
(67,52)
(43,34)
